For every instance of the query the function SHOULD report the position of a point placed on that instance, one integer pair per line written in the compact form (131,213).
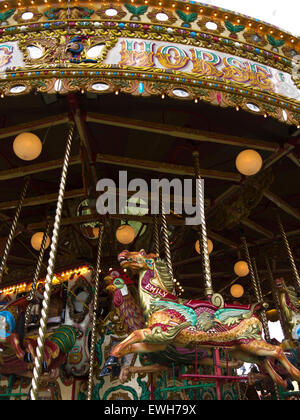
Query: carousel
(97,99)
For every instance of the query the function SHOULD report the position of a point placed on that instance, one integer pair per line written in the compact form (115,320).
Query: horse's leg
(112,364)
(261,348)
(274,375)
(127,371)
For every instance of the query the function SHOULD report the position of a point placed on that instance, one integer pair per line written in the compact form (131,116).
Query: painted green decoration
(145,395)
(6,15)
(136,11)
(276,43)
(234,29)
(187,18)
(98,350)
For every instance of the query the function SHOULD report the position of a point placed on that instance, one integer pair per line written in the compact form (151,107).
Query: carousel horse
(189,323)
(290,305)
(118,284)
(18,346)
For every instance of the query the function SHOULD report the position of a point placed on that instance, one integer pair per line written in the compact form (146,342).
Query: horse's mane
(164,275)
(293,296)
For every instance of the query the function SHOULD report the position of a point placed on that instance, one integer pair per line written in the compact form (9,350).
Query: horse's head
(116,284)
(280,284)
(137,261)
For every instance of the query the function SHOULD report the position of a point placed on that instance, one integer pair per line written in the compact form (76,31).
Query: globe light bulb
(27,146)
(237,291)
(241,269)
(210,246)
(37,239)
(249,162)
(125,234)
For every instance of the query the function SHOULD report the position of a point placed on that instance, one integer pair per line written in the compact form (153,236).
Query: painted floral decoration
(136,11)
(252,37)
(208,24)
(187,18)
(111,12)
(27,15)
(161,17)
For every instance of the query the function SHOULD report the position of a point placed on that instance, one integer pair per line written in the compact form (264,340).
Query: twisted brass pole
(289,252)
(166,241)
(94,316)
(263,314)
(276,297)
(259,297)
(13,228)
(203,232)
(156,235)
(36,276)
(35,383)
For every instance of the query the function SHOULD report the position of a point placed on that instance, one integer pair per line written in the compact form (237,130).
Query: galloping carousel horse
(174,321)
(123,292)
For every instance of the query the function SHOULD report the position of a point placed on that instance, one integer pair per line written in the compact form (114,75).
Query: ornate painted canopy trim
(184,50)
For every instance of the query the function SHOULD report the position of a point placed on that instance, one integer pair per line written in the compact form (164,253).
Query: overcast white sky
(284,14)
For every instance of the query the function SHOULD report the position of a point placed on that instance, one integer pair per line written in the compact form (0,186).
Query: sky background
(284,14)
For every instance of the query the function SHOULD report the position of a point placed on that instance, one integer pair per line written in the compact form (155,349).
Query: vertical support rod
(276,297)
(252,274)
(37,370)
(13,228)
(263,315)
(94,318)
(36,276)
(156,235)
(166,241)
(289,253)
(203,232)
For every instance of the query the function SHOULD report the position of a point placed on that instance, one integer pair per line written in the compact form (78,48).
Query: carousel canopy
(281,14)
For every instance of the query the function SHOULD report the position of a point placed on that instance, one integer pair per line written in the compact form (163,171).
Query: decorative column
(50,273)
(289,253)
(13,228)
(36,276)
(259,298)
(156,235)
(263,314)
(203,232)
(167,249)
(94,317)
(276,297)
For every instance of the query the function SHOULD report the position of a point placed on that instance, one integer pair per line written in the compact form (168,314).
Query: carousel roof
(284,15)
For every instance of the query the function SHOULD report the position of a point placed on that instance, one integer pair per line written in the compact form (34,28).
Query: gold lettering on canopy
(172,57)
(201,62)
(137,54)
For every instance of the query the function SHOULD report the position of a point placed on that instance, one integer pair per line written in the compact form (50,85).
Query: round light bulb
(37,239)
(237,291)
(125,234)
(210,246)
(249,162)
(27,146)
(241,269)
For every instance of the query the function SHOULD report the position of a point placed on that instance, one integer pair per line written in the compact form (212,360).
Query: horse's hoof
(112,361)
(28,358)
(106,371)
